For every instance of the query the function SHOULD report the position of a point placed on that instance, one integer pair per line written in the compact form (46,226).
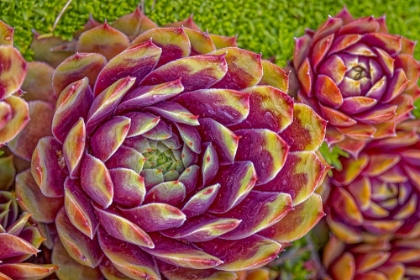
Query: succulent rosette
(377,194)
(381,260)
(358,77)
(19,240)
(171,156)
(14,113)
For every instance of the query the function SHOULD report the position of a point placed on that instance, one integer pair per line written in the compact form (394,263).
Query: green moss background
(266,26)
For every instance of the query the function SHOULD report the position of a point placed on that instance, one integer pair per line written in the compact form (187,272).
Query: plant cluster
(139,151)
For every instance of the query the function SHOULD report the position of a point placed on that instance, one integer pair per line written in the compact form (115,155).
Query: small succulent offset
(173,153)
(377,195)
(14,112)
(19,241)
(381,260)
(358,77)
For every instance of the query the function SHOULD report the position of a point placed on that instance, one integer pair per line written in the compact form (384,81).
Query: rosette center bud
(358,72)
(165,159)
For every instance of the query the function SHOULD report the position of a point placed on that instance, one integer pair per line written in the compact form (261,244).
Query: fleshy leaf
(52,50)
(74,147)
(258,211)
(148,95)
(78,67)
(6,34)
(72,104)
(265,149)
(37,84)
(174,112)
(129,189)
(106,102)
(196,72)
(48,167)
(201,42)
(353,168)
(210,163)
(297,222)
(13,246)
(224,140)
(109,137)
(174,43)
(248,253)
(269,108)
(69,267)
(27,270)
(164,216)
(172,192)
(244,68)
(79,209)
(200,201)
(30,198)
(345,205)
(236,181)
(274,76)
(223,41)
(102,39)
(122,229)
(202,228)
(133,24)
(137,62)
(80,247)
(96,181)
(307,131)
(13,71)
(299,177)
(181,254)
(19,118)
(41,115)
(225,106)
(135,264)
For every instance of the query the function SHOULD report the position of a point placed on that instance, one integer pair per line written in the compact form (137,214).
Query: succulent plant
(14,112)
(19,240)
(377,194)
(381,260)
(357,76)
(173,153)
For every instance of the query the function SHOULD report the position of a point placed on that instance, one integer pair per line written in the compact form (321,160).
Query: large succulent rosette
(171,158)
(19,240)
(14,113)
(377,194)
(381,260)
(358,77)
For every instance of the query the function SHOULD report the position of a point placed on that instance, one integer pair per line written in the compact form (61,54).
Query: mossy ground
(266,26)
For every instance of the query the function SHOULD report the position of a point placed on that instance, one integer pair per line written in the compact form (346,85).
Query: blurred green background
(266,26)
